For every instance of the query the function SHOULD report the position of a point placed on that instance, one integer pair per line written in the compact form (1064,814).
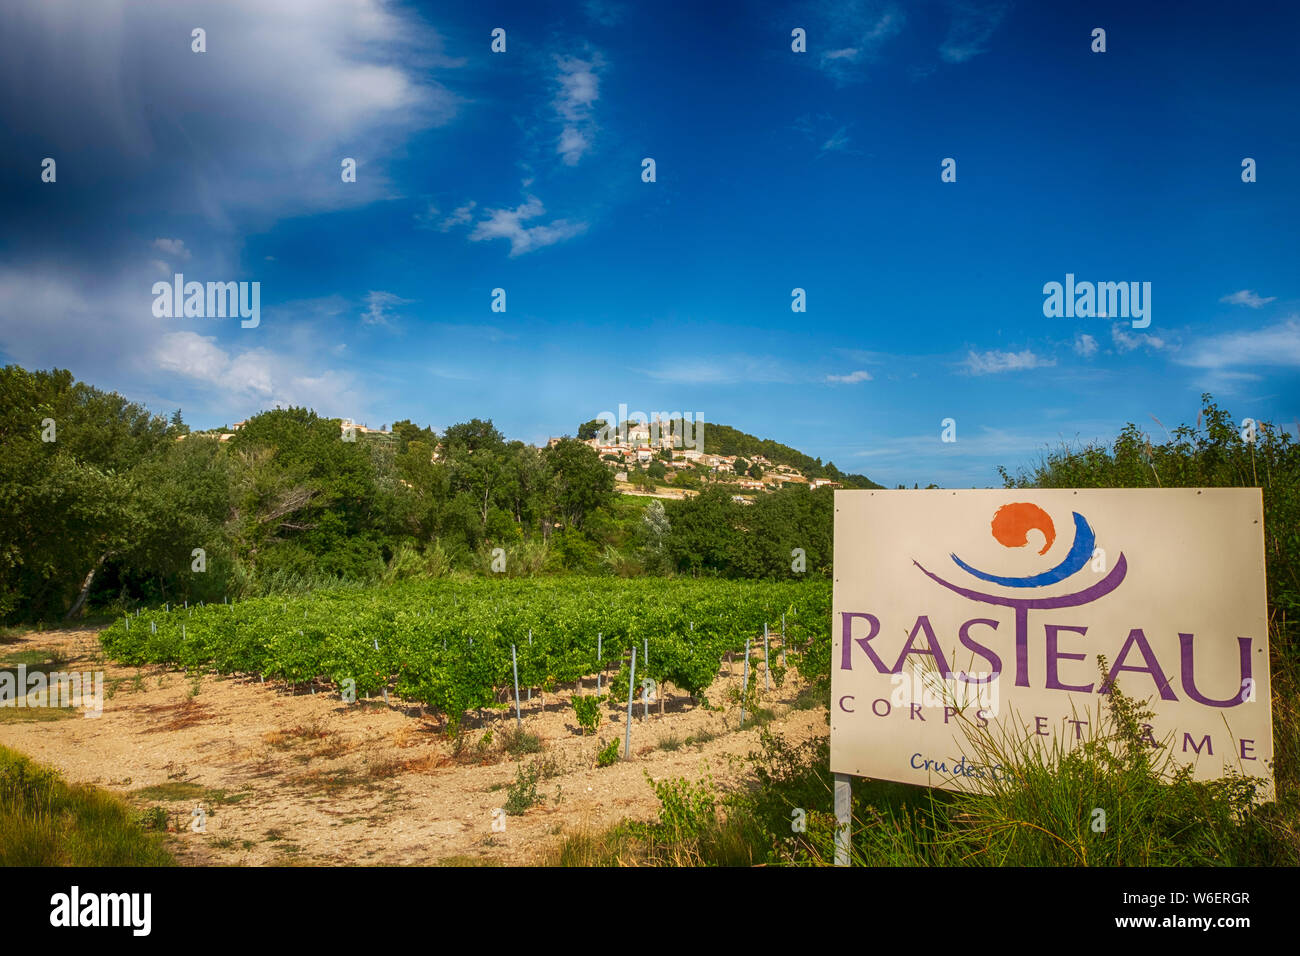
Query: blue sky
(775,170)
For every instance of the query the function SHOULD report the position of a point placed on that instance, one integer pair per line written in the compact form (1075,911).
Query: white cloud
(172,247)
(379,307)
(430,218)
(992,362)
(1085,345)
(508,224)
(972,25)
(460,215)
(1276,345)
(851,379)
(1248,298)
(579,90)
(104,330)
(284,92)
(837,141)
(851,32)
(1127,341)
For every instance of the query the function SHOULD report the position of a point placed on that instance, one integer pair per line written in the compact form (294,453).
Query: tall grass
(46,822)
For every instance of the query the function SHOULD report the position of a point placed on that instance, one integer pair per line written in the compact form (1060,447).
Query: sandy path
(309,779)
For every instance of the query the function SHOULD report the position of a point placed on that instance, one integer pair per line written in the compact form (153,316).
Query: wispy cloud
(431,218)
(992,362)
(379,306)
(1127,341)
(1085,345)
(509,224)
(172,247)
(838,140)
(725,370)
(852,378)
(1276,345)
(850,34)
(971,27)
(1248,298)
(579,83)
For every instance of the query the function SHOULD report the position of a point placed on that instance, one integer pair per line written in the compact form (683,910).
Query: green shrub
(608,754)
(587,709)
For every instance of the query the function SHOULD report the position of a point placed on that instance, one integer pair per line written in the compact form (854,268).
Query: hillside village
(640,450)
(645,462)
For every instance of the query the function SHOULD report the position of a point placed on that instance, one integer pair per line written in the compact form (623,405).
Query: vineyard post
(744,687)
(843,817)
(767,670)
(783,663)
(631,683)
(530,644)
(601,670)
(514,662)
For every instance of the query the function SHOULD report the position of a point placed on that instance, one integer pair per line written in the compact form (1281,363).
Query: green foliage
(46,822)
(725,440)
(516,742)
(712,534)
(523,794)
(446,643)
(607,755)
(686,810)
(587,710)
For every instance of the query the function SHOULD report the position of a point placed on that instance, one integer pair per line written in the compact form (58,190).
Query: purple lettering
(995,662)
(1053,654)
(1136,637)
(933,649)
(1189,679)
(846,657)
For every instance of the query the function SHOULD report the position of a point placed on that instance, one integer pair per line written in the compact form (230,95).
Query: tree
(589,430)
(473,435)
(703,532)
(580,482)
(407,431)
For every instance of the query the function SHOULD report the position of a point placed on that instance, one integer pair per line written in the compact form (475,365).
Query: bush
(608,754)
(587,709)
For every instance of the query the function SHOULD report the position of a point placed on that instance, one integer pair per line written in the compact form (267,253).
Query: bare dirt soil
(304,778)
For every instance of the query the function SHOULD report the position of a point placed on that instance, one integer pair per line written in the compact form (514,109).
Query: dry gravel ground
(304,778)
